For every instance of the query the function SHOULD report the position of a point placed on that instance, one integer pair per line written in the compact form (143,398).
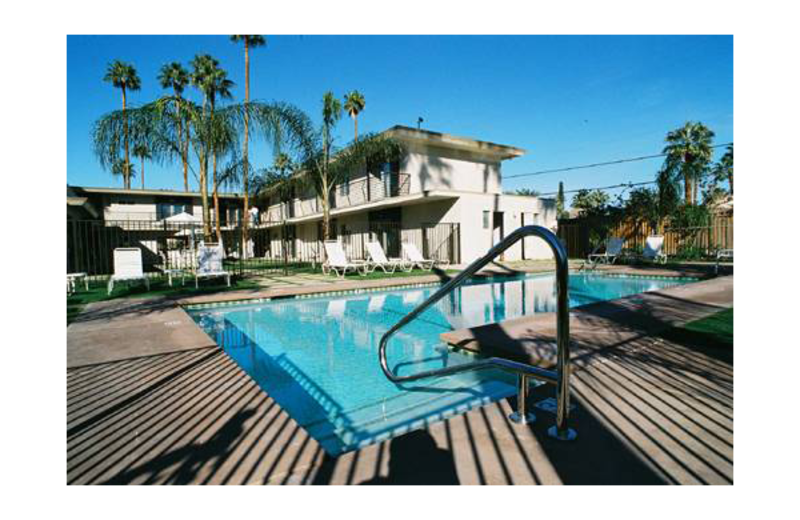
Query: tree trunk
(730,182)
(184,148)
(326,212)
(142,172)
(127,175)
(246,164)
(687,187)
(204,177)
(216,202)
(355,122)
(204,198)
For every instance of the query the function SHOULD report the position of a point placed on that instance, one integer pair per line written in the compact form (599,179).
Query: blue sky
(568,100)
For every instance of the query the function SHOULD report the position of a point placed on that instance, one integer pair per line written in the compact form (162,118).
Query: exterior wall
(122,207)
(433,168)
(476,239)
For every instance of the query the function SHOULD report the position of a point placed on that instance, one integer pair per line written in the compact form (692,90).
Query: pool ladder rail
(559,377)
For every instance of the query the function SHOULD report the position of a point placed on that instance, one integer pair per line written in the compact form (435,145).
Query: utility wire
(595,165)
(623,185)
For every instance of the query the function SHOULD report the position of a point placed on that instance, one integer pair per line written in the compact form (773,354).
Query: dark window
(168,209)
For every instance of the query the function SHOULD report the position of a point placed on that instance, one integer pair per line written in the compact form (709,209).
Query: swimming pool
(317,356)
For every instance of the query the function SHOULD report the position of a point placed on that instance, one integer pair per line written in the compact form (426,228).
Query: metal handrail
(559,377)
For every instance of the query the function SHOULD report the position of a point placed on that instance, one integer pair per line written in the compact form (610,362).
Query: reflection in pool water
(317,357)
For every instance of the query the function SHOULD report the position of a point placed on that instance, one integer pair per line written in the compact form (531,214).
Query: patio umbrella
(184,218)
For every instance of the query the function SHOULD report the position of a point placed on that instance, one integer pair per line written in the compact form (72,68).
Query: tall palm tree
(174,76)
(118,169)
(213,82)
(153,124)
(688,154)
(250,41)
(354,103)
(331,113)
(723,170)
(141,151)
(123,76)
(321,167)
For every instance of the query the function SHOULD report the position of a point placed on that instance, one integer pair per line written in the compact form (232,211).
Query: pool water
(317,357)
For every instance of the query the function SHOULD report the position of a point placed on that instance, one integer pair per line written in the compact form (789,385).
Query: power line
(623,185)
(595,165)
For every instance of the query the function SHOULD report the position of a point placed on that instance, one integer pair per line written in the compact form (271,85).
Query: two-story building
(444,194)
(134,205)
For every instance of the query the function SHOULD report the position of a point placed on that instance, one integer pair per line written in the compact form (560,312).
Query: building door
(385,226)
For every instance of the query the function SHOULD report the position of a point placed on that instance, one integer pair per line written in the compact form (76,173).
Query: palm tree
(118,169)
(141,151)
(174,76)
(250,41)
(354,103)
(212,81)
(331,113)
(723,170)
(153,125)
(321,167)
(123,76)
(688,154)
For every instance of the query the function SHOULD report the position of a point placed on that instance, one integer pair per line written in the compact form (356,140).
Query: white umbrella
(184,218)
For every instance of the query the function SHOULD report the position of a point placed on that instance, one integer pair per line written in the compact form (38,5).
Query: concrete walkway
(171,409)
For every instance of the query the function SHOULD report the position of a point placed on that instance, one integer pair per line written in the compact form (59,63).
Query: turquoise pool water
(317,357)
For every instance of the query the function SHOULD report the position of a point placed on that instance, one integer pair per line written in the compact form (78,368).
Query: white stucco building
(445,194)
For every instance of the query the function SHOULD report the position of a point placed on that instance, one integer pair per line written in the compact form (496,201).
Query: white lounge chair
(609,256)
(412,254)
(209,264)
(377,258)
(722,253)
(337,260)
(127,267)
(653,249)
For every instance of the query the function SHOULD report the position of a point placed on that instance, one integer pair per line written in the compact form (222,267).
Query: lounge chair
(414,257)
(337,260)
(209,264)
(722,253)
(613,249)
(377,258)
(653,249)
(127,267)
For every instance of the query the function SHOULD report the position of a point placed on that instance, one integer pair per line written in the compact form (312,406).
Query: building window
(169,209)
(487,219)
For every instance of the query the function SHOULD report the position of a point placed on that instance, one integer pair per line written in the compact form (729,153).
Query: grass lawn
(715,335)
(158,287)
(98,292)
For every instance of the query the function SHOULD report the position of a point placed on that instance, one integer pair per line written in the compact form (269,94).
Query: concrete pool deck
(150,400)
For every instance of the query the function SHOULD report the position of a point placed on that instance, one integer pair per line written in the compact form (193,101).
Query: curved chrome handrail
(559,377)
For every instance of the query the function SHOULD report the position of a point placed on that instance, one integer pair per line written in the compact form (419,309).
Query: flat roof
(147,192)
(454,142)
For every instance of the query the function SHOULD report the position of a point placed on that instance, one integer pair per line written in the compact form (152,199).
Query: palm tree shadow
(414,458)
(191,457)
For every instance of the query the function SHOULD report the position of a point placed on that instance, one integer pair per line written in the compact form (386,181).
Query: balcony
(344,195)
(369,189)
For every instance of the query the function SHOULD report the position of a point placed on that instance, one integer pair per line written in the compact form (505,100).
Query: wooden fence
(577,234)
